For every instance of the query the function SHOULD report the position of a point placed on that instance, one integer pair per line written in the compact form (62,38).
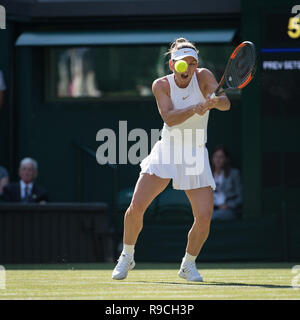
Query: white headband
(184,52)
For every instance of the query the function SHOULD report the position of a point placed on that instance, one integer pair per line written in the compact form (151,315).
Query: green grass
(224,281)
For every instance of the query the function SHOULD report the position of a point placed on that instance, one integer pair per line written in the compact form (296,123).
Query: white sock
(128,249)
(189,257)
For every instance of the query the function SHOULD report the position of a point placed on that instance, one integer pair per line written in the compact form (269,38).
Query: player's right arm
(170,116)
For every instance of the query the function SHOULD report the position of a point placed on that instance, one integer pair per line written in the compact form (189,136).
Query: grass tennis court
(151,281)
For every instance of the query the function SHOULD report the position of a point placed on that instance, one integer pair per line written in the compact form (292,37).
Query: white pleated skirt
(188,168)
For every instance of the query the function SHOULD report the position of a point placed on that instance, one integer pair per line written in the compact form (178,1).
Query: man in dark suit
(26,190)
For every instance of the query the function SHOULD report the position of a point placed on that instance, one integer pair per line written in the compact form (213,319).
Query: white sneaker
(125,263)
(189,271)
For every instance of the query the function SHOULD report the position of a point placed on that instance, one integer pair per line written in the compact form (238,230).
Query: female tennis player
(183,103)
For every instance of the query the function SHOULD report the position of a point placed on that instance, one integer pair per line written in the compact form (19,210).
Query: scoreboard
(280,97)
(282,28)
(281,83)
(280,54)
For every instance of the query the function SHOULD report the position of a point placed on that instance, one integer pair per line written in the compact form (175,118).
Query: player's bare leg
(146,189)
(201,200)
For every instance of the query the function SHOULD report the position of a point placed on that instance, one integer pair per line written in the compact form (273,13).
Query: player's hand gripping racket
(240,69)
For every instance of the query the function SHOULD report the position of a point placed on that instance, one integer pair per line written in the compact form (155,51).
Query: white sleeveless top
(182,179)
(183,98)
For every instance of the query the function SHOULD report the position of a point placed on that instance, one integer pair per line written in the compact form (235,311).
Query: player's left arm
(209,85)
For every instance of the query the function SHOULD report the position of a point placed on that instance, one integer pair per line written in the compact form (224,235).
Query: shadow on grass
(221,284)
(152,266)
(219,265)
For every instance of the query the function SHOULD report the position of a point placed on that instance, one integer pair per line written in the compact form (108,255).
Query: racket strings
(241,66)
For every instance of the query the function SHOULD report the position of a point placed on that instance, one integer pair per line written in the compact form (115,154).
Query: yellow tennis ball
(181,66)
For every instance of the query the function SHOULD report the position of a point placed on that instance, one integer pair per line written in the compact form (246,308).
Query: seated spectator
(4,179)
(26,190)
(228,193)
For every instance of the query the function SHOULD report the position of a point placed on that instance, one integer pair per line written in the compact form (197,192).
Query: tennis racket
(240,69)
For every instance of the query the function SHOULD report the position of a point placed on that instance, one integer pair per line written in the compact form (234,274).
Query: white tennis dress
(183,157)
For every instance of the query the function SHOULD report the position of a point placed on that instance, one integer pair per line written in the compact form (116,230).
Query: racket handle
(212,95)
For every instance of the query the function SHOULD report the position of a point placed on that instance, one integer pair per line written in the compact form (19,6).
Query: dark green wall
(46,132)
(6,44)
(251,126)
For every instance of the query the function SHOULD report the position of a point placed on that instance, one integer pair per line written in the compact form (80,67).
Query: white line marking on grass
(143,283)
